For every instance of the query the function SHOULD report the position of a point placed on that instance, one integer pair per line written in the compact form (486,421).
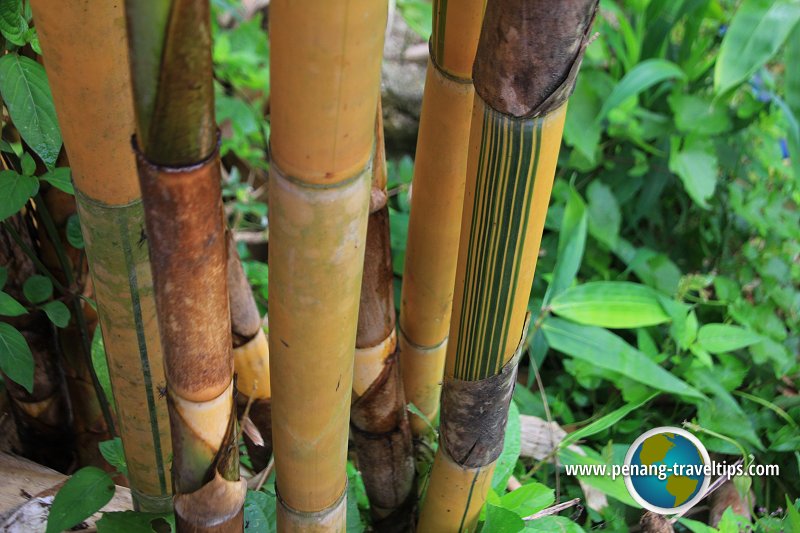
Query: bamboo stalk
(178,161)
(440,172)
(91,85)
(378,417)
(325,72)
(251,360)
(525,67)
(43,418)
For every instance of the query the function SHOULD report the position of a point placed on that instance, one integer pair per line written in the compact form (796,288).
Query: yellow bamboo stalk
(90,81)
(325,72)
(440,171)
(527,59)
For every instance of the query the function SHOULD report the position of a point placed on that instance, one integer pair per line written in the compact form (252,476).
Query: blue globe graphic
(665,450)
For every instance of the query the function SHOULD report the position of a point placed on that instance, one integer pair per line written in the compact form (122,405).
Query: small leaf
(12,24)
(16,359)
(9,306)
(605,218)
(24,88)
(114,454)
(696,165)
(758,30)
(511,448)
(60,178)
(719,338)
(610,304)
(74,235)
(85,493)
(259,512)
(100,364)
(15,190)
(528,499)
(37,289)
(604,422)
(135,522)
(500,520)
(28,164)
(57,312)
(640,78)
(549,524)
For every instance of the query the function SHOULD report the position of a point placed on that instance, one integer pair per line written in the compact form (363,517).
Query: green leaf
(135,522)
(500,520)
(23,85)
(758,30)
(57,312)
(114,454)
(85,493)
(9,306)
(605,218)
(549,524)
(612,487)
(60,178)
(718,338)
(100,364)
(259,512)
(37,288)
(15,190)
(695,114)
(511,448)
(581,130)
(696,527)
(603,349)
(604,422)
(16,359)
(528,499)
(418,15)
(640,78)
(28,164)
(571,244)
(696,165)
(792,515)
(12,23)
(74,235)
(610,304)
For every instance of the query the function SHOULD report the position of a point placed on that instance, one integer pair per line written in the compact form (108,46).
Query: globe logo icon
(669,470)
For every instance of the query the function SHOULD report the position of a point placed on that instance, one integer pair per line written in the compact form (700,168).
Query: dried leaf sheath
(325,72)
(92,94)
(440,172)
(512,161)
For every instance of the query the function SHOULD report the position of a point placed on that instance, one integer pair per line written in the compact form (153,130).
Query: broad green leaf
(114,454)
(100,364)
(528,499)
(551,524)
(640,78)
(12,23)
(500,520)
(60,178)
(581,130)
(16,359)
(510,454)
(695,114)
(696,165)
(605,218)
(57,312)
(418,15)
(718,338)
(610,304)
(259,512)
(696,527)
(85,493)
(654,269)
(28,164)
(571,244)
(758,30)
(37,288)
(603,349)
(15,190)
(74,235)
(23,85)
(604,422)
(9,306)
(792,515)
(136,522)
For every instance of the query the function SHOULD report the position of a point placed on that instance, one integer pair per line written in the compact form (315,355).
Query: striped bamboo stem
(178,163)
(92,93)
(378,417)
(525,67)
(325,71)
(440,172)
(251,361)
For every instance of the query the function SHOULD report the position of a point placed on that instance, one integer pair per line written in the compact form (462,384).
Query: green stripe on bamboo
(440,172)
(528,56)
(93,99)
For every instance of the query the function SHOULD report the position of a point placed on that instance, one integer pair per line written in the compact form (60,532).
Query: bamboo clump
(440,172)
(325,72)
(525,67)
(178,163)
(92,94)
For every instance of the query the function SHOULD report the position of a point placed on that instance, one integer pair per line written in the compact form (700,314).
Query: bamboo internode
(440,172)
(325,73)
(525,67)
(92,94)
